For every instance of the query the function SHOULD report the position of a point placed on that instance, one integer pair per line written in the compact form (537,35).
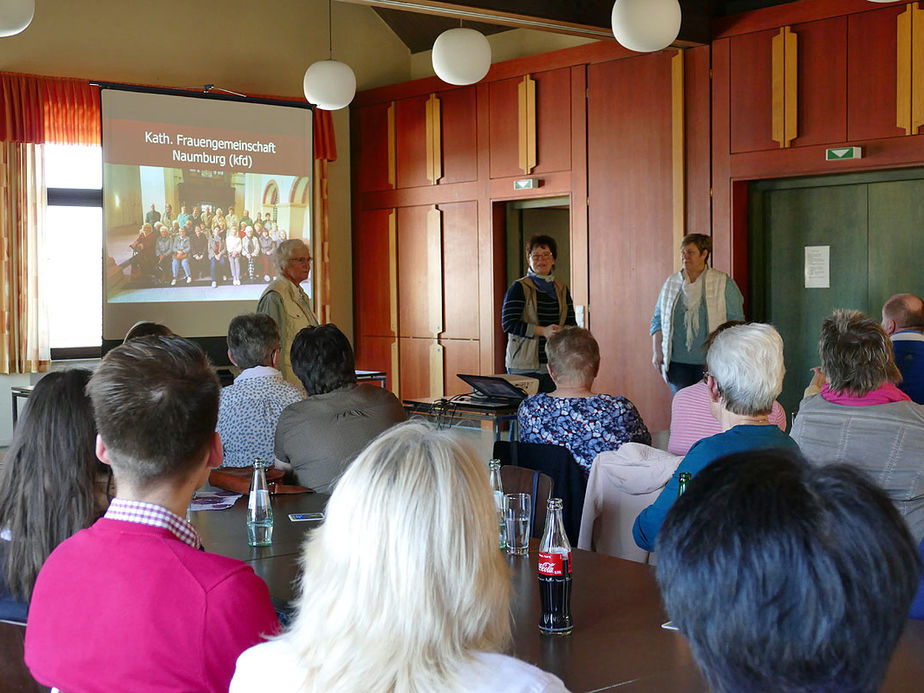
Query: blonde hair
(404,580)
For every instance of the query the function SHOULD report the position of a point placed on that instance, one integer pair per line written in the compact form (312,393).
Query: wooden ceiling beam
(587,18)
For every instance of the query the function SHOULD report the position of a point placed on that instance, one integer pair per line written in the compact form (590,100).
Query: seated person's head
(787,577)
(156,401)
(903,312)
(146,328)
(404,574)
(48,476)
(322,359)
(745,367)
(574,357)
(253,340)
(856,353)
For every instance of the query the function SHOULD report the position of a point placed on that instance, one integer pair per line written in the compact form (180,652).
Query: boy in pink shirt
(133,603)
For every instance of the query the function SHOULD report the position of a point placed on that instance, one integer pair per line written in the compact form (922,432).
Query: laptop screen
(492,386)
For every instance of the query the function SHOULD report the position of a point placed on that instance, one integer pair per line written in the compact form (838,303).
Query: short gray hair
(856,353)
(573,355)
(747,364)
(285,250)
(252,339)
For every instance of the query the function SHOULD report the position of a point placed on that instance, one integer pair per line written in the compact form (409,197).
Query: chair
(568,478)
(14,676)
(537,485)
(622,483)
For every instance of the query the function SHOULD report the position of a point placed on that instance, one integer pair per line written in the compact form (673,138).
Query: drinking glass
(516,515)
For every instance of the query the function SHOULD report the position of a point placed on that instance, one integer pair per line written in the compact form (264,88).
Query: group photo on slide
(192,229)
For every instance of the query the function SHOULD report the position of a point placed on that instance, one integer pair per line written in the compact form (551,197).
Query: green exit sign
(842,153)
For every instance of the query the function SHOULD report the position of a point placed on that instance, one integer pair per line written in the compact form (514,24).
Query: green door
(871,224)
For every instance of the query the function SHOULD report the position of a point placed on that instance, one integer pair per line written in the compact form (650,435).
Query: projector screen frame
(214,346)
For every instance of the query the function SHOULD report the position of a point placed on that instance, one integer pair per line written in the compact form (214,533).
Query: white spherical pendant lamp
(646,25)
(330,84)
(461,56)
(15,16)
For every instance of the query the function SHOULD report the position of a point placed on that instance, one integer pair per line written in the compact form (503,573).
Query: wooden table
(617,643)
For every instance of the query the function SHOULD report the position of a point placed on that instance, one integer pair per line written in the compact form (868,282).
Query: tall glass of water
(517,508)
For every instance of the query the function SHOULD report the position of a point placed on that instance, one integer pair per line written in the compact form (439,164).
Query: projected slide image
(190,234)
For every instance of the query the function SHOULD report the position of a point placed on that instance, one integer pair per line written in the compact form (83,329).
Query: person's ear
(275,358)
(216,452)
(889,326)
(231,358)
(714,394)
(102,454)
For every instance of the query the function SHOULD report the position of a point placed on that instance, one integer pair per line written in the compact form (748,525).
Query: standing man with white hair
(744,377)
(286,302)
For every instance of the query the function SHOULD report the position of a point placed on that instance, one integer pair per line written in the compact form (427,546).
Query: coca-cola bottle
(555,574)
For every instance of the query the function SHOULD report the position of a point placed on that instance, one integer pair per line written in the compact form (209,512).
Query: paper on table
(213,500)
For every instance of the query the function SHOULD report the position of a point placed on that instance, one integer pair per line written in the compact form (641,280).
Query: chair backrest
(568,478)
(537,485)
(14,675)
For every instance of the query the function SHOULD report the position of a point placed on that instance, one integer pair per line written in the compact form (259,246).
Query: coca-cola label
(552,564)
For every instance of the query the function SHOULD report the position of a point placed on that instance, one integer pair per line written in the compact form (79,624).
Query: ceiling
(418,22)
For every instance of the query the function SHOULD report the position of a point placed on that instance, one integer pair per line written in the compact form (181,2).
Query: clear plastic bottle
(259,510)
(498,487)
(555,574)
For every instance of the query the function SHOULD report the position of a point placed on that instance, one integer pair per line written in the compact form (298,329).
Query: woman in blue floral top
(572,415)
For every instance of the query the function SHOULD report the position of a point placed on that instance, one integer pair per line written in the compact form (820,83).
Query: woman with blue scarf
(535,307)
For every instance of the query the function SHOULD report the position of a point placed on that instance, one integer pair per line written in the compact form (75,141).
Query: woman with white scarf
(692,304)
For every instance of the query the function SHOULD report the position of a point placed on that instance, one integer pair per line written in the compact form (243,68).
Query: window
(71,263)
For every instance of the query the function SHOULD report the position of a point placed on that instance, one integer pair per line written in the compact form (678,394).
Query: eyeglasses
(306,260)
(540,256)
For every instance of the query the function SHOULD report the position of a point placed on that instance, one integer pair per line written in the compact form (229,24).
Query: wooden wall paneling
(784,70)
(413,274)
(917,68)
(434,272)
(579,279)
(459,356)
(411,141)
(721,159)
(434,137)
(678,158)
(526,125)
(696,85)
(371,275)
(491,246)
(460,161)
(553,121)
(871,74)
(376,355)
(822,82)
(414,356)
(631,249)
(371,147)
(503,118)
(553,124)
(751,92)
(460,284)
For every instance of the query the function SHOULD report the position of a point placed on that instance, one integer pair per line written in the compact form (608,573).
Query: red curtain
(35,109)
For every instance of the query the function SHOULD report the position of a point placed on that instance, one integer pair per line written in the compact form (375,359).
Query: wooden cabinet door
(371,147)
(411,141)
(751,92)
(460,270)
(630,222)
(459,356)
(372,273)
(459,143)
(822,77)
(413,273)
(375,354)
(415,367)
(553,124)
(872,75)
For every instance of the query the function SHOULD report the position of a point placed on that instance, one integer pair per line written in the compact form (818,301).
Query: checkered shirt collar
(154,516)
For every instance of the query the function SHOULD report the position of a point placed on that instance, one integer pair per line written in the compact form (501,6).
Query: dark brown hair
(156,401)
(46,484)
(322,359)
(856,353)
(539,240)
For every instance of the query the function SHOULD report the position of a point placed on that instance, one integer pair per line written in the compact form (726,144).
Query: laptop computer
(490,392)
